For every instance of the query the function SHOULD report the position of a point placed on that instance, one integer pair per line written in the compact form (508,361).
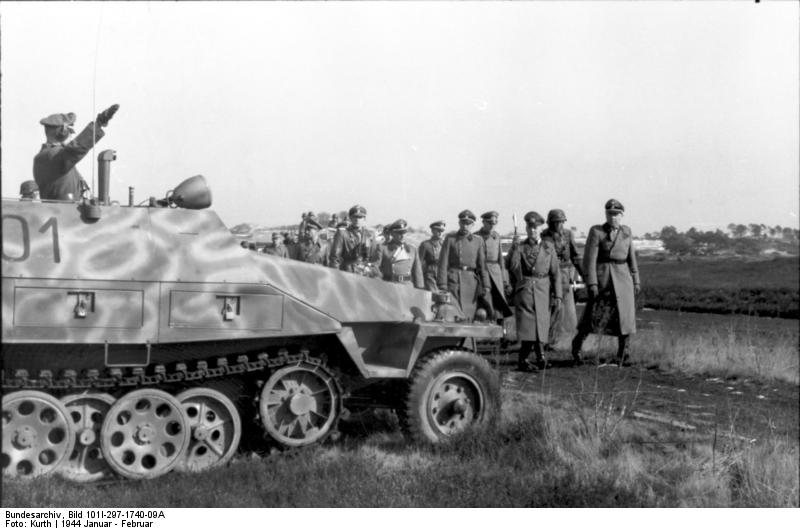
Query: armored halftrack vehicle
(142,338)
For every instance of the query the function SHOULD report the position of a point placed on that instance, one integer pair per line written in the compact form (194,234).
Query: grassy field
(766,287)
(547,451)
(544,454)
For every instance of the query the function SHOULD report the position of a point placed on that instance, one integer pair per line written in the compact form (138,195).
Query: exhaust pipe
(104,160)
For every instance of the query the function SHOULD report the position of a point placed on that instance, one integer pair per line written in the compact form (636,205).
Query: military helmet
(613,205)
(28,187)
(556,215)
(533,219)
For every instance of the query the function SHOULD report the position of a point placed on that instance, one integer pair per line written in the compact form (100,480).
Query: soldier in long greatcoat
(564,320)
(495,266)
(462,266)
(399,261)
(312,249)
(429,251)
(354,249)
(612,277)
(533,268)
(54,166)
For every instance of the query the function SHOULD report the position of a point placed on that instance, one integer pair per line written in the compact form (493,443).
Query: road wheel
(37,434)
(449,392)
(87,412)
(299,405)
(145,434)
(215,425)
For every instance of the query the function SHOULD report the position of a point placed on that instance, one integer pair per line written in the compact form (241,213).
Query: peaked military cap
(399,226)
(466,214)
(27,187)
(56,120)
(438,224)
(533,219)
(312,222)
(613,205)
(490,214)
(556,215)
(357,211)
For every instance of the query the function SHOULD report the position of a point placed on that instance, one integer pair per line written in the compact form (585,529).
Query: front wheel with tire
(449,392)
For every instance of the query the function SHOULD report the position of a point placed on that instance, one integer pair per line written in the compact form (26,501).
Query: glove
(636,289)
(104,117)
(593,291)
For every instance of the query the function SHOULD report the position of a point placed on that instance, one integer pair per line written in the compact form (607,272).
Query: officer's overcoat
(400,263)
(610,263)
(495,266)
(310,252)
(564,320)
(353,247)
(54,166)
(429,257)
(462,269)
(533,267)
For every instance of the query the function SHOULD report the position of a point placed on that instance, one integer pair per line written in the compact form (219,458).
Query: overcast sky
(687,112)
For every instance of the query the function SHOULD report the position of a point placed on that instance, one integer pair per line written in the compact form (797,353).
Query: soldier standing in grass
(312,249)
(354,249)
(563,319)
(462,266)
(54,166)
(533,269)
(498,308)
(399,261)
(612,277)
(429,251)
(277,248)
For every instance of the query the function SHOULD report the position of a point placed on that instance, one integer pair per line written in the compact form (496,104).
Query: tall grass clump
(726,351)
(542,454)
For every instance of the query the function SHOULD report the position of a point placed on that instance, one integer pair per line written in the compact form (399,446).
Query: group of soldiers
(533,278)
(533,282)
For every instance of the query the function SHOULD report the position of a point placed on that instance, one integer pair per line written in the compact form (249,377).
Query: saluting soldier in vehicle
(429,251)
(277,248)
(399,261)
(563,319)
(29,191)
(533,269)
(499,307)
(462,266)
(612,277)
(354,249)
(54,166)
(313,249)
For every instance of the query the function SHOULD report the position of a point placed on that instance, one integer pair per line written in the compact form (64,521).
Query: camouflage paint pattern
(161,276)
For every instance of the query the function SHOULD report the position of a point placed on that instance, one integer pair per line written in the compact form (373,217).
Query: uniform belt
(464,268)
(617,261)
(399,278)
(565,265)
(432,267)
(536,275)
(497,262)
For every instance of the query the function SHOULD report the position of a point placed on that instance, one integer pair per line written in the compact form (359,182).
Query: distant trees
(761,237)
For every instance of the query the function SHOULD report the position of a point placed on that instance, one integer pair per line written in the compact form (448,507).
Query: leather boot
(624,350)
(524,351)
(541,362)
(577,343)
